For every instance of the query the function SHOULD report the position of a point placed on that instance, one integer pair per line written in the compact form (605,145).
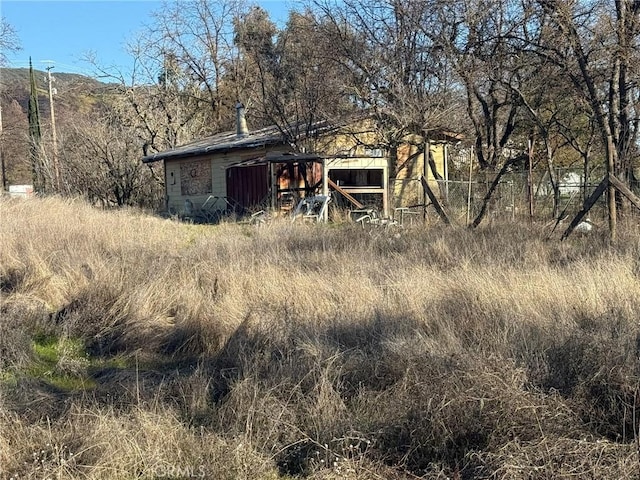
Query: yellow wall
(349,140)
(404,182)
(438,154)
(406,187)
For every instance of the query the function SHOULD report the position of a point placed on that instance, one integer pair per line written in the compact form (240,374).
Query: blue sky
(64,31)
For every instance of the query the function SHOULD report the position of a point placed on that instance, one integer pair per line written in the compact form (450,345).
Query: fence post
(445,161)
(513,204)
(530,178)
(469,188)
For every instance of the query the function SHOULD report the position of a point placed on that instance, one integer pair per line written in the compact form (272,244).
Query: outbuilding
(243,170)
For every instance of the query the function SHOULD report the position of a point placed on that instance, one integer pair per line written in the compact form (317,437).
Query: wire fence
(514,199)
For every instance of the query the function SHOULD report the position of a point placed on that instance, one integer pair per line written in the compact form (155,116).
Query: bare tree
(300,78)
(102,164)
(199,35)
(396,69)
(9,41)
(475,38)
(544,98)
(602,38)
(177,89)
(577,126)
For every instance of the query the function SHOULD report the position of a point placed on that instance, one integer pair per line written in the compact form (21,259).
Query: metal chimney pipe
(241,122)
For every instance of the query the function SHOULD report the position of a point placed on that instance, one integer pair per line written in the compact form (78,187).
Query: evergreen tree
(35,135)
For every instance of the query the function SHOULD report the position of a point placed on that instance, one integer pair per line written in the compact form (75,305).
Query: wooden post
(469,189)
(346,195)
(624,190)
(445,161)
(611,183)
(325,184)
(435,201)
(274,187)
(425,159)
(587,206)
(385,192)
(530,179)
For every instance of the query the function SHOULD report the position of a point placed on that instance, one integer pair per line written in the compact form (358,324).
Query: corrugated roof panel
(219,143)
(230,140)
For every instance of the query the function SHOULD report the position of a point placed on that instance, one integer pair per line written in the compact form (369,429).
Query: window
(195,178)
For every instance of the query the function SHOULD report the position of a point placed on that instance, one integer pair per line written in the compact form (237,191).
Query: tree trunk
(489,195)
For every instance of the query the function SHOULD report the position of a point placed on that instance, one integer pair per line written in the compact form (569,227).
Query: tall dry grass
(322,351)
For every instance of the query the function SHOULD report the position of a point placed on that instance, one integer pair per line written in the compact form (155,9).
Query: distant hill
(75,95)
(14,85)
(19,77)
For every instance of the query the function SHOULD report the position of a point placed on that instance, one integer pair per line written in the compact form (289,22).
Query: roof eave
(210,149)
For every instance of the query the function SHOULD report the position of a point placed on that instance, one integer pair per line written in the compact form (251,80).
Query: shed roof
(271,135)
(221,142)
(231,140)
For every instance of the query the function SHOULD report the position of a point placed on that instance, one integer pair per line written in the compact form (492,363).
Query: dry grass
(100,443)
(321,351)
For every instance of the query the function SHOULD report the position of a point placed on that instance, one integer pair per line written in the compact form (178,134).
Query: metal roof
(291,157)
(221,142)
(272,135)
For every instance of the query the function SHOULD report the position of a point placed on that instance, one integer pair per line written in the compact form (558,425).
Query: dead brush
(15,342)
(447,411)
(479,354)
(100,444)
(553,456)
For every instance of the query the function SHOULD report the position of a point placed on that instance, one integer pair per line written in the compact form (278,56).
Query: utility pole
(56,167)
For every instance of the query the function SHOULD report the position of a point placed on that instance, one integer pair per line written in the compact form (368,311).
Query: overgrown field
(136,347)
